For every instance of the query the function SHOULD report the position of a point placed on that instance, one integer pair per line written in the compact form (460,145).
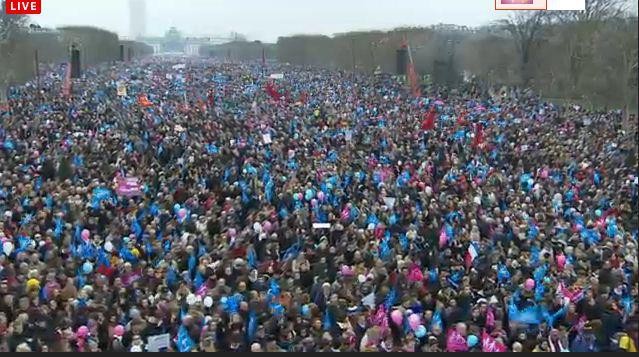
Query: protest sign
(129,186)
(158,342)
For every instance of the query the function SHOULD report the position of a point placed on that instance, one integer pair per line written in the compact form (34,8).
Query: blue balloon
(87,267)
(420,332)
(176,207)
(306,311)
(309,194)
(472,341)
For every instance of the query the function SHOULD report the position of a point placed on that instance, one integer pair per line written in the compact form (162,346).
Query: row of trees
(19,44)
(587,56)
(240,50)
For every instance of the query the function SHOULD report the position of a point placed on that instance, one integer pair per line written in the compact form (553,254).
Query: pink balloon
(267,226)
(182,213)
(415,275)
(314,202)
(83,331)
(414,321)
(443,239)
(561,261)
(397,317)
(529,284)
(345,213)
(86,234)
(118,330)
(320,195)
(232,232)
(347,271)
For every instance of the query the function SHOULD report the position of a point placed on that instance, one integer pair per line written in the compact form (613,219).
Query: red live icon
(22,7)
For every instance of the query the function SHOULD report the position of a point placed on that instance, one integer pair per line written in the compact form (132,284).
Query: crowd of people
(185,204)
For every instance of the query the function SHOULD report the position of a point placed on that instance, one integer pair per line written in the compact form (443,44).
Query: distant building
(137,19)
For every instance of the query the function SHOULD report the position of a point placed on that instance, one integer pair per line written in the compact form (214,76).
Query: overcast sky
(266,20)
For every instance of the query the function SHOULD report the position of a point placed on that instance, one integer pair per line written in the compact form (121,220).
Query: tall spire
(137,18)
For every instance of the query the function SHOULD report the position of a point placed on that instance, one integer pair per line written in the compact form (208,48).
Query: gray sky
(266,20)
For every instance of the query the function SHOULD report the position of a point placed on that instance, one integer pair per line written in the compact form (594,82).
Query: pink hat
(118,331)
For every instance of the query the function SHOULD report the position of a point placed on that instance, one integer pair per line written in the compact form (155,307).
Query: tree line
(588,57)
(26,49)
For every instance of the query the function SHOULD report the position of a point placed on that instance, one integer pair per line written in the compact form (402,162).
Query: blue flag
(328,320)
(251,327)
(184,341)
(390,299)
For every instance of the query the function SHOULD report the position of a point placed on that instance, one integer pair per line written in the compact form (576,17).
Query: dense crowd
(212,208)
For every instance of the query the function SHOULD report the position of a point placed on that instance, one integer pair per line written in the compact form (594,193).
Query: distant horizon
(127,38)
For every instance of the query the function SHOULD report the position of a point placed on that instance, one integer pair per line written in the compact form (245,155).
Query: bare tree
(10,25)
(525,27)
(596,10)
(580,29)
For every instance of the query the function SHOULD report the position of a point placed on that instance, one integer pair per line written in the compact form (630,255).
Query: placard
(129,186)
(389,201)
(158,342)
(122,90)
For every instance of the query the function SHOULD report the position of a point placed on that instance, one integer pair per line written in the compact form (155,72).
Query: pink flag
(345,214)
(489,344)
(455,342)
(490,318)
(415,274)
(381,318)
(201,292)
(443,238)
(573,296)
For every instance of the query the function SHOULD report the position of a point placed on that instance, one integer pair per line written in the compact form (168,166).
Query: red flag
(461,120)
(143,100)
(471,254)
(479,135)
(66,87)
(413,80)
(271,90)
(429,121)
(412,76)
(303,97)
